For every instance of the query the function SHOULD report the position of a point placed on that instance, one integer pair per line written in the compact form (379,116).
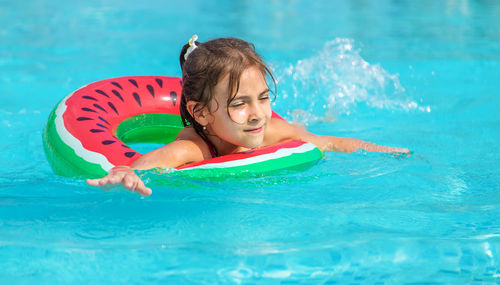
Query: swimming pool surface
(416,74)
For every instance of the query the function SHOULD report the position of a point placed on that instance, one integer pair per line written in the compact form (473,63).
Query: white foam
(336,79)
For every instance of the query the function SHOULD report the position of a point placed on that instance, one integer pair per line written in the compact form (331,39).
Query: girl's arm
(171,155)
(329,143)
(286,130)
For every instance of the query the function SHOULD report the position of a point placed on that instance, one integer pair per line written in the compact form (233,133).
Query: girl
(225,108)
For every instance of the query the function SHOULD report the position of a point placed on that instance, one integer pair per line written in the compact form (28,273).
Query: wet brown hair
(207,65)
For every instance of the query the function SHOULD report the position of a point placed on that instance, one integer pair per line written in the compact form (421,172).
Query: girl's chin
(255,144)
(248,142)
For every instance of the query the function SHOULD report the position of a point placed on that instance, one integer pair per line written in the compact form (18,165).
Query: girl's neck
(223,147)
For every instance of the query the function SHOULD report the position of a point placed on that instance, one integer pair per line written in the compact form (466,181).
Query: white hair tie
(192,46)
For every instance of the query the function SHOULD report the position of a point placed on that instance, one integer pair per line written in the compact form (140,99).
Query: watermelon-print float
(88,131)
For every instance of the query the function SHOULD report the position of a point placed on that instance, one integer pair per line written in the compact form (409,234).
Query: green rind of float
(63,159)
(296,161)
(149,128)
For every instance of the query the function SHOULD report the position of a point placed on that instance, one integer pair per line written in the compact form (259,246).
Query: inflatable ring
(88,131)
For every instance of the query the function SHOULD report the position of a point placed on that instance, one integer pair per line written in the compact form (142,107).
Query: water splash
(337,81)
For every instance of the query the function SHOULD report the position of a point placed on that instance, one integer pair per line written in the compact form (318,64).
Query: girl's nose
(256,112)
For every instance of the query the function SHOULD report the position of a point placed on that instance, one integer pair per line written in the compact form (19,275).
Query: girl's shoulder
(278,130)
(193,142)
(188,133)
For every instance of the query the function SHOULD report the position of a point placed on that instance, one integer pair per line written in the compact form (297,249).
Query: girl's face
(245,120)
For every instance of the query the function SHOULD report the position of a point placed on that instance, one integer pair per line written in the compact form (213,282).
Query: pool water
(416,74)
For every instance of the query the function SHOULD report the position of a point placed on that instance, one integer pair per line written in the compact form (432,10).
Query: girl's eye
(236,104)
(263,98)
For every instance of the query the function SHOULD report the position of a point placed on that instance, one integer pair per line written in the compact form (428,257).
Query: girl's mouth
(254,131)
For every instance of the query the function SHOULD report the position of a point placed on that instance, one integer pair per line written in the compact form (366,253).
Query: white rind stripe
(74,143)
(282,152)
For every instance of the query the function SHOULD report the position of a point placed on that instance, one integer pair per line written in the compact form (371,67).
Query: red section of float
(94,112)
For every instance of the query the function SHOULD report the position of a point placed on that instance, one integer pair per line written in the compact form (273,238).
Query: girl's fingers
(134,183)
(400,149)
(93,182)
(116,178)
(142,189)
(103,181)
(129,180)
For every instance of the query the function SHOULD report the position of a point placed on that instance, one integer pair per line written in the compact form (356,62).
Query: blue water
(416,74)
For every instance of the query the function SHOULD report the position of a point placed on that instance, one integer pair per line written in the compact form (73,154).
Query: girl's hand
(124,175)
(399,149)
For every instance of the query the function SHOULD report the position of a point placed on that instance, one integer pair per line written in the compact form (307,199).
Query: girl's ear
(200,115)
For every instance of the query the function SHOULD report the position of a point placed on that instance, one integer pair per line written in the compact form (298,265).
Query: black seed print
(180,81)
(133,82)
(117,94)
(107,142)
(173,97)
(113,107)
(100,108)
(89,97)
(102,92)
(117,85)
(130,154)
(96,131)
(138,99)
(102,119)
(125,146)
(83,119)
(89,110)
(101,125)
(151,90)
(159,81)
